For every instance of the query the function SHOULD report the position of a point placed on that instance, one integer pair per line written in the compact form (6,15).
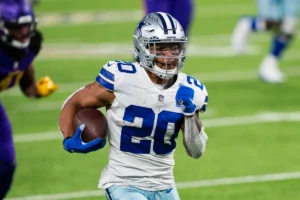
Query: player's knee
(272,24)
(6,178)
(288,26)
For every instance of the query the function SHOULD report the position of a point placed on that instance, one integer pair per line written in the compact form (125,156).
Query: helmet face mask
(160,45)
(167,57)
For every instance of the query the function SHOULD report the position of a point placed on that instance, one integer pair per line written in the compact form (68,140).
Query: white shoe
(239,38)
(269,70)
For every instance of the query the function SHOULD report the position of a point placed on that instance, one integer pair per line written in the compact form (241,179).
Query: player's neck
(155,79)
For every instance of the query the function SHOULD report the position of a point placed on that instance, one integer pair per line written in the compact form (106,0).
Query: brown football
(95,124)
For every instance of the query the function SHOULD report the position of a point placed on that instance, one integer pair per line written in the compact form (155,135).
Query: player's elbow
(196,147)
(197,154)
(72,101)
(194,151)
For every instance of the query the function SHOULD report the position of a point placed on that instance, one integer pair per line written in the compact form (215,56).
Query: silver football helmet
(154,31)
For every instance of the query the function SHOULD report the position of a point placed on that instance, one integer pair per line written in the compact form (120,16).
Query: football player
(148,102)
(279,16)
(179,9)
(20,43)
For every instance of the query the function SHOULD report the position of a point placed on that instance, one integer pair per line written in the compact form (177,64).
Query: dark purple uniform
(19,45)
(10,74)
(182,10)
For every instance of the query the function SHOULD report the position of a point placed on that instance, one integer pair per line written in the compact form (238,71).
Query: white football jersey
(144,123)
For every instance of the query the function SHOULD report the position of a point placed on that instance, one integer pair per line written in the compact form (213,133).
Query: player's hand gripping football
(184,99)
(75,143)
(45,86)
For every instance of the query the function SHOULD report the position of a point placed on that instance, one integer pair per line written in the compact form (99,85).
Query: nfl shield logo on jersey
(161,98)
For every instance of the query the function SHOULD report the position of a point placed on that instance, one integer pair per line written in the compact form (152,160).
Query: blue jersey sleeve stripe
(107,74)
(105,83)
(203,108)
(206,99)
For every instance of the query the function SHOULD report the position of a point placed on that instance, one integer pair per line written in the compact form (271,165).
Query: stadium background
(253,127)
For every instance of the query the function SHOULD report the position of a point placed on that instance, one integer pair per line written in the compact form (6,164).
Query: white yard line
(33,137)
(180,185)
(210,77)
(226,37)
(239,180)
(89,17)
(102,50)
(211,39)
(56,106)
(263,117)
(34,106)
(48,19)
(215,46)
(211,122)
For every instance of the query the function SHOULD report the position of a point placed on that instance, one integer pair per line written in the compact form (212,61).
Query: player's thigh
(270,9)
(181,8)
(7,150)
(183,11)
(6,178)
(291,8)
(119,192)
(151,6)
(169,194)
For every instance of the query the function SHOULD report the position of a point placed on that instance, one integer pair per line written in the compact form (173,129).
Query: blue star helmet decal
(141,25)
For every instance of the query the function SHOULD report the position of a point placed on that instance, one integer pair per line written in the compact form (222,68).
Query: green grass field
(253,127)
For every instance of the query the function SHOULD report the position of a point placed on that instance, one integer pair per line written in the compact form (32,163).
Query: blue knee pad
(6,178)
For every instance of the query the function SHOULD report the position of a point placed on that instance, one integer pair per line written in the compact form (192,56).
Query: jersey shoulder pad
(112,72)
(200,92)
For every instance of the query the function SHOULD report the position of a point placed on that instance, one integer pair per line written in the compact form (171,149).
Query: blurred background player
(20,43)
(276,15)
(182,10)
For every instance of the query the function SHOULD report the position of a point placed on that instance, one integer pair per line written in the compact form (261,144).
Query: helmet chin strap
(163,74)
(19,45)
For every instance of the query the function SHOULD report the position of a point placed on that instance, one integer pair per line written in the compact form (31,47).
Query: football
(95,124)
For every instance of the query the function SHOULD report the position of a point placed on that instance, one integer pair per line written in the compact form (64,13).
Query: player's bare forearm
(27,83)
(272,25)
(90,96)
(195,138)
(67,116)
